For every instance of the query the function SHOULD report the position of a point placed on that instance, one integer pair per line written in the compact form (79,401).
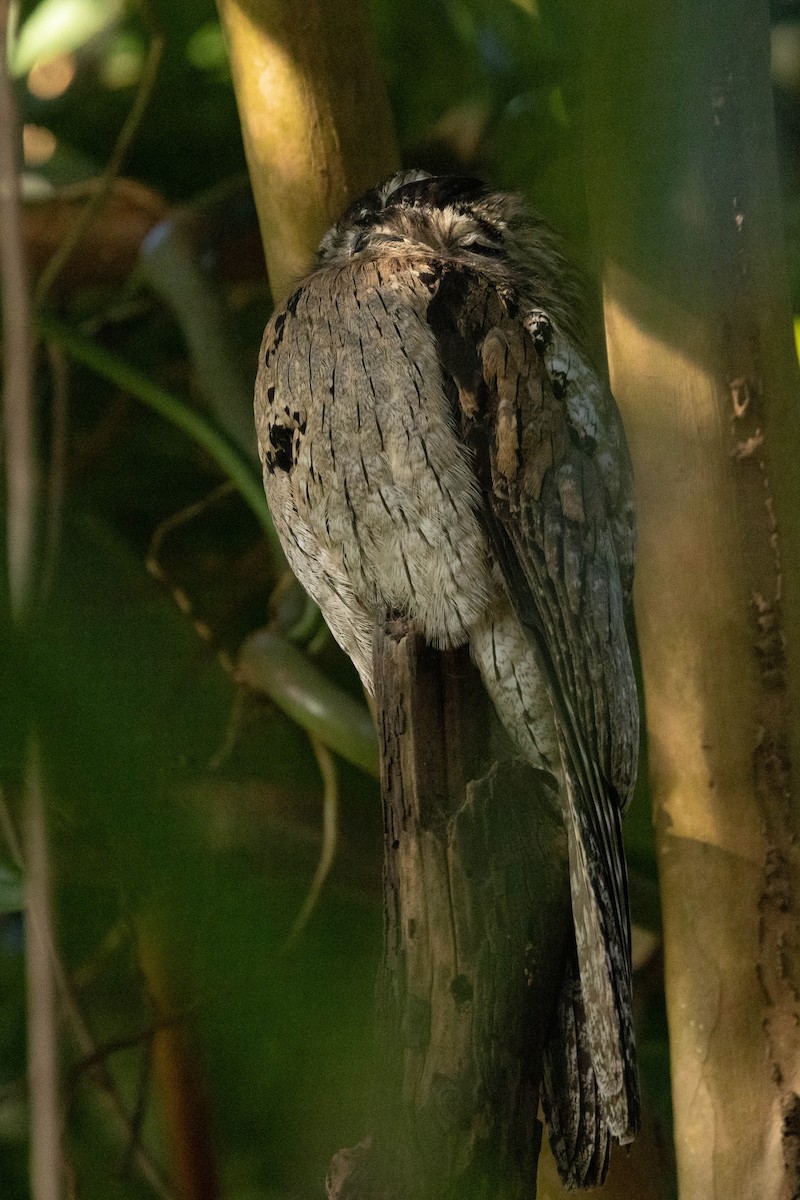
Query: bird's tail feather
(602,937)
(591,1087)
(573,1107)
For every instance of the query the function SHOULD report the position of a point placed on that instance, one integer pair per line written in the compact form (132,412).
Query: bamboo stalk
(683,194)
(315,119)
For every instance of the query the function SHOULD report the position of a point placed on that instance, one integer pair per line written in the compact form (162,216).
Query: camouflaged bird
(436,443)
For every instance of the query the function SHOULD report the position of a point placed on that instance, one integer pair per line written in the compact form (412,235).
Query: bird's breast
(376,471)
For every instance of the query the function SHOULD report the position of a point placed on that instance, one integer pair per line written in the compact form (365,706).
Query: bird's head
(460,219)
(444,213)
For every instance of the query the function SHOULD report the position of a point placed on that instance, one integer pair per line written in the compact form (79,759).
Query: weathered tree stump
(477,928)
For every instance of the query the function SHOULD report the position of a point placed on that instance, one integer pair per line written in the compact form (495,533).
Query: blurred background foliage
(201,734)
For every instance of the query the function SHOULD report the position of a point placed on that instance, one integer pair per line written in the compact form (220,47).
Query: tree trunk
(682,189)
(478,922)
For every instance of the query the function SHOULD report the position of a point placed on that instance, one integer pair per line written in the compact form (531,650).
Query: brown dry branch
(21,462)
(683,191)
(477,926)
(42,1018)
(20,451)
(178,1071)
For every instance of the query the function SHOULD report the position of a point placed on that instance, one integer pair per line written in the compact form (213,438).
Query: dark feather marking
(374,394)
(280,439)
(348,604)
(290,533)
(380,297)
(377,422)
(351,510)
(520,693)
(494,657)
(405,568)
(310,366)
(558,382)
(490,231)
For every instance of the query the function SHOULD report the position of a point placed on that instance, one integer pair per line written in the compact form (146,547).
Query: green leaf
(290,679)
(59,26)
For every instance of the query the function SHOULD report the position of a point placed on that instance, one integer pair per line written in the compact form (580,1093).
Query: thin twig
(129,129)
(21,466)
(177,521)
(181,598)
(117,1045)
(330,823)
(177,1071)
(140,1108)
(22,482)
(45,1126)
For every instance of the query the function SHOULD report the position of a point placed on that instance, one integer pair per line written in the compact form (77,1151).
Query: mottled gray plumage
(435,442)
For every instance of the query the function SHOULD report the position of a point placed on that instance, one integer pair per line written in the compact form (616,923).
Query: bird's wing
(551,528)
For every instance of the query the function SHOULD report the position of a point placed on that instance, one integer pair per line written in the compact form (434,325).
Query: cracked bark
(477,923)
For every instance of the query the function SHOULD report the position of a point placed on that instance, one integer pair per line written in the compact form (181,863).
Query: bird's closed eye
(483,248)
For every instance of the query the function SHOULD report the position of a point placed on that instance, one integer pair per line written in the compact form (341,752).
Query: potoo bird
(436,443)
